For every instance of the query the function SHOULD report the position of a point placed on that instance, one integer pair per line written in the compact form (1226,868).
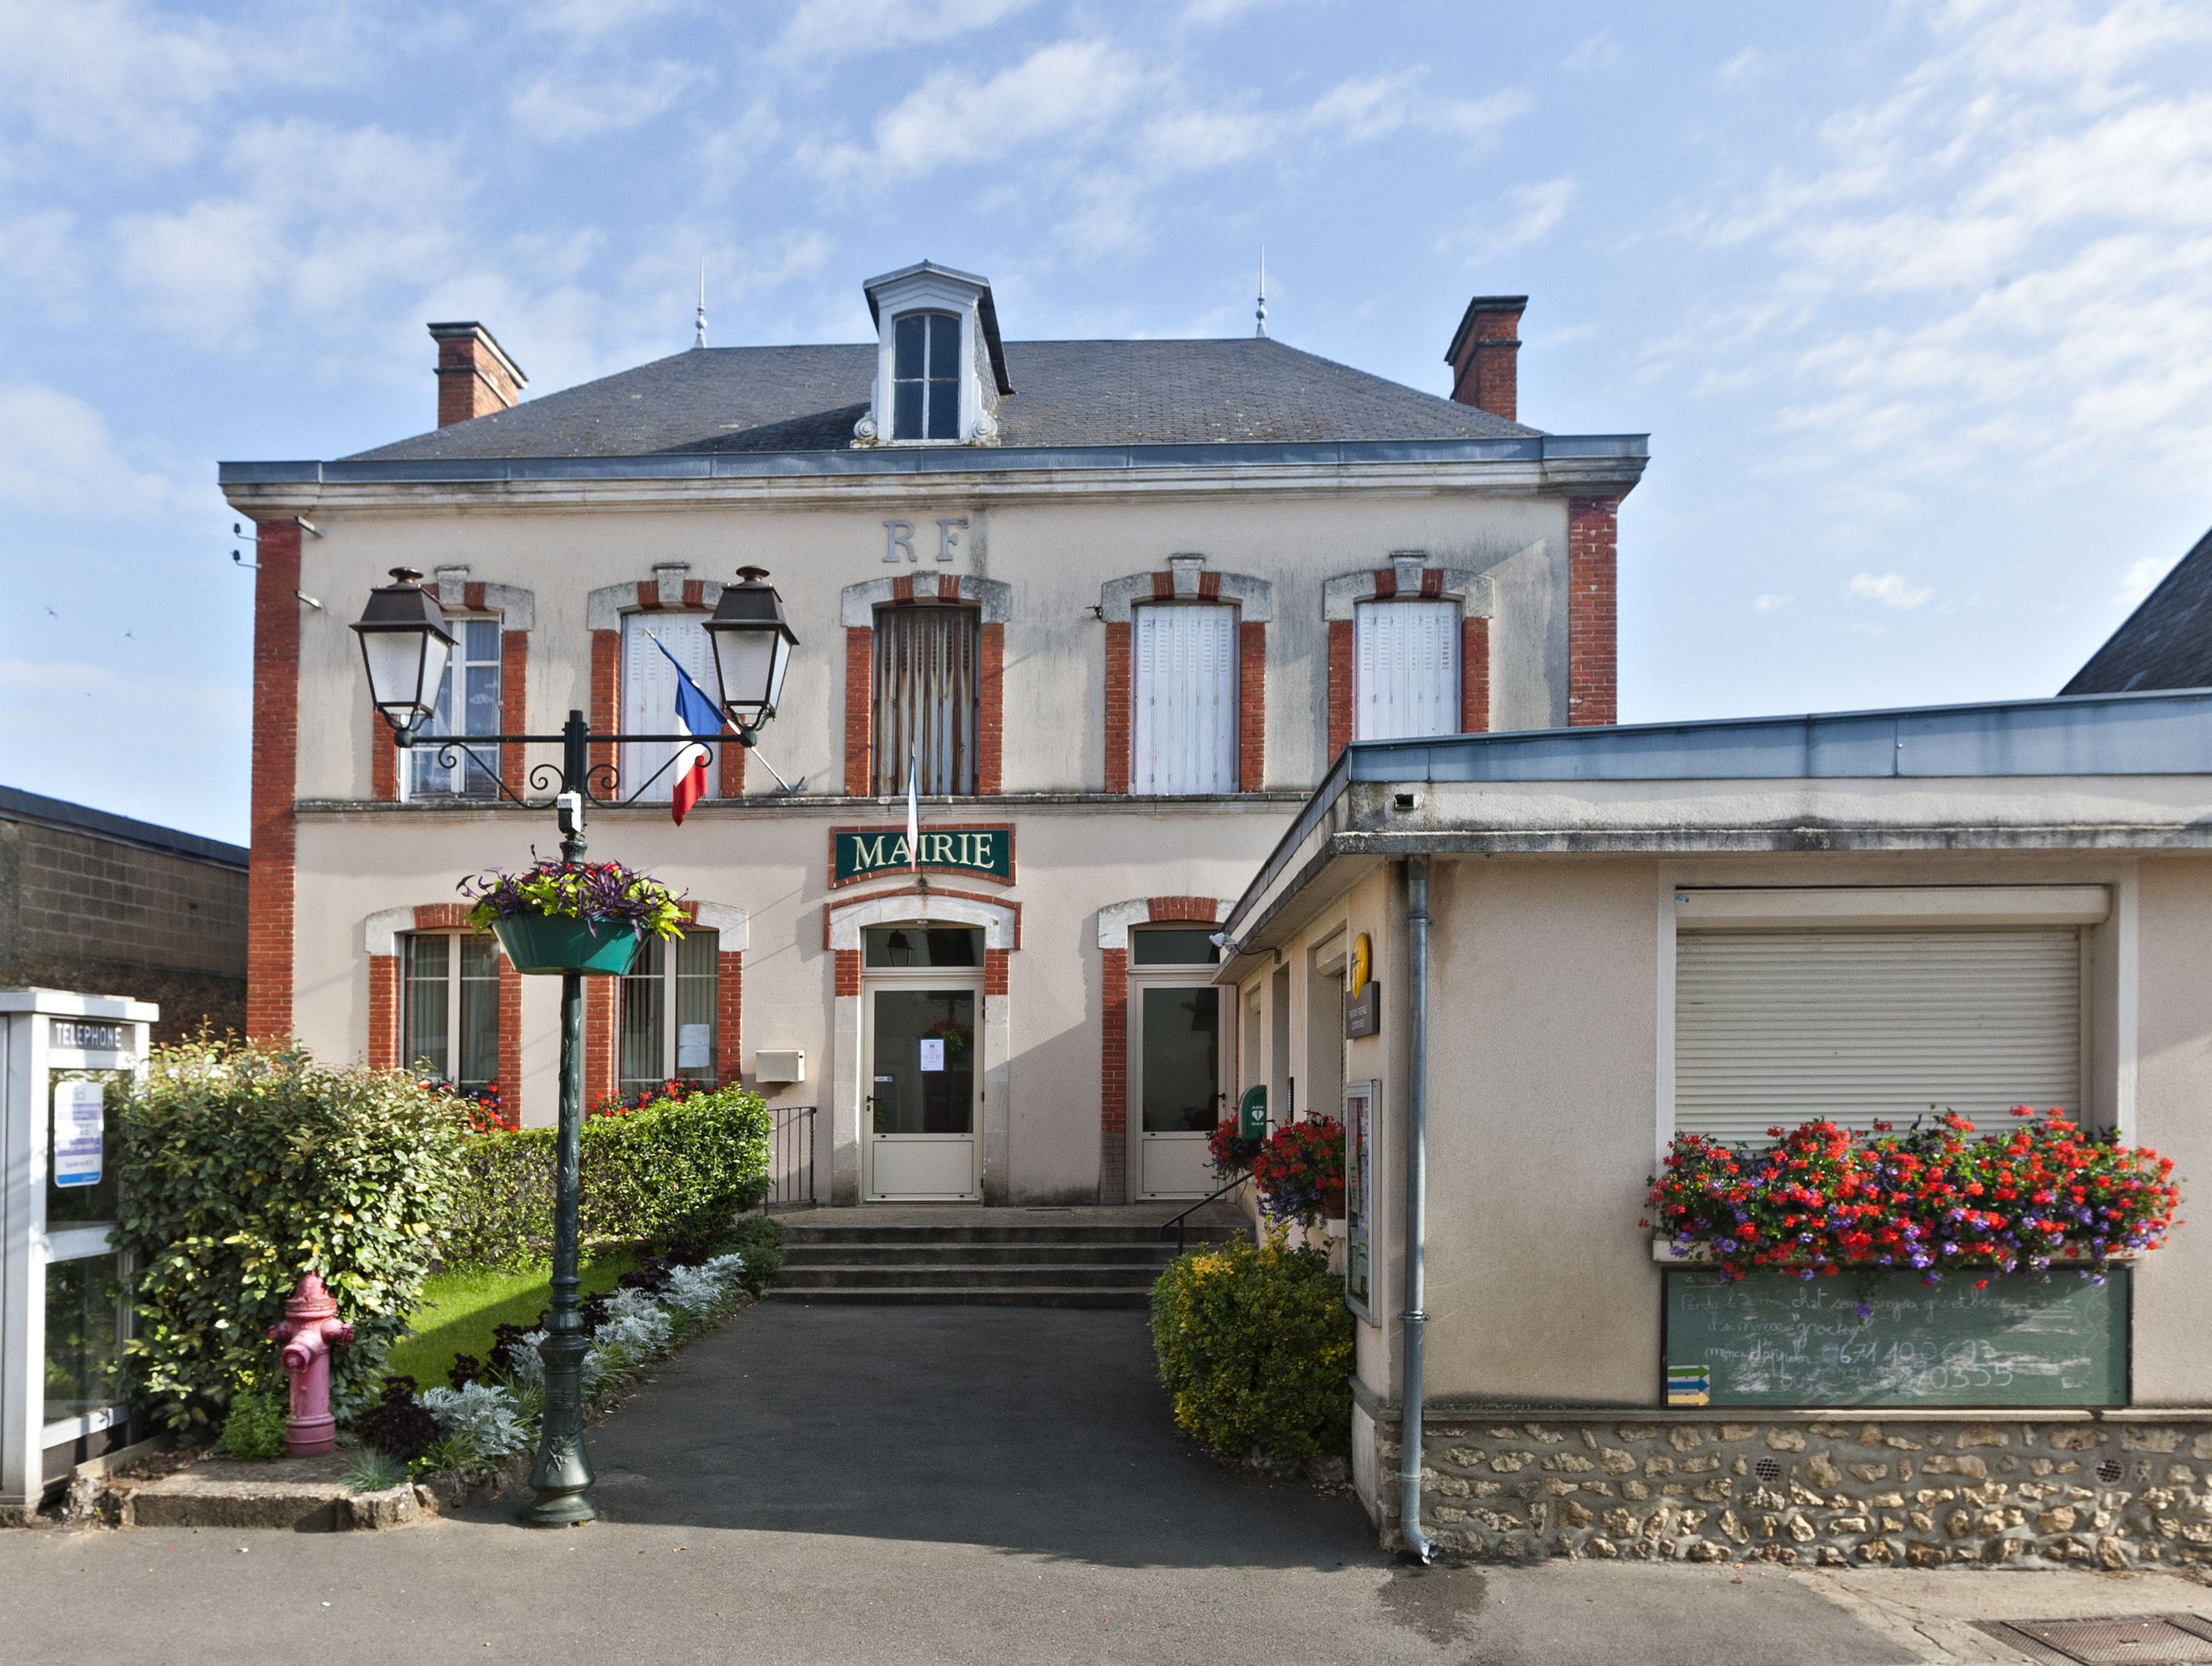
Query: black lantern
(405,645)
(752,647)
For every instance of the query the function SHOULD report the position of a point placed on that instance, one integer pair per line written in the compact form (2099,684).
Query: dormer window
(926,377)
(940,368)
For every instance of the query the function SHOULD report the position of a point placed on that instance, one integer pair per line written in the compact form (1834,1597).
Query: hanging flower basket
(587,917)
(1300,1172)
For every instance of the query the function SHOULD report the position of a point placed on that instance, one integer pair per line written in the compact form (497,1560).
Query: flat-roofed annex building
(1117,603)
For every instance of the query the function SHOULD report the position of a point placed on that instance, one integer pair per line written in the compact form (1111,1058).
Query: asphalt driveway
(861,1485)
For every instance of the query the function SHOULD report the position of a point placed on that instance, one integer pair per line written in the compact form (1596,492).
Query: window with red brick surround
(602,1003)
(1113,1085)
(668,592)
(993,602)
(384,992)
(1408,576)
(1187,578)
(516,609)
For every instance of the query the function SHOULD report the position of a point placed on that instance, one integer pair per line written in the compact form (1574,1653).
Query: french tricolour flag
(698,715)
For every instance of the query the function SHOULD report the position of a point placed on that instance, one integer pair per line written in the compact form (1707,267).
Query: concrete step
(935,1275)
(799,1254)
(1038,1295)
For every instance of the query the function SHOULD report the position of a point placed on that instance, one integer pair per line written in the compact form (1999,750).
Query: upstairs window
(671,999)
(648,689)
(926,377)
(449,1007)
(926,698)
(1405,670)
(468,704)
(1182,729)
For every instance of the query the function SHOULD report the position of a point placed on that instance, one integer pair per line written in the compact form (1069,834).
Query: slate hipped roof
(2167,643)
(722,399)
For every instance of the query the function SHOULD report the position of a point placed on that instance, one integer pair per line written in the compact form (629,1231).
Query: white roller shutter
(648,695)
(1780,1027)
(1405,670)
(1182,735)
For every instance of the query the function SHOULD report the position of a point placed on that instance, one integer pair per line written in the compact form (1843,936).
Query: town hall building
(1115,607)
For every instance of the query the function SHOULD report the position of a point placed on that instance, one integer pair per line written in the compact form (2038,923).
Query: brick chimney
(475,376)
(1484,354)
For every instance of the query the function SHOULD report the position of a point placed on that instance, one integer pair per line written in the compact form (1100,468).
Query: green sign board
(1776,1340)
(863,852)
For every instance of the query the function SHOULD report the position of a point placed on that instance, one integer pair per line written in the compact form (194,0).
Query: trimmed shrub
(673,1176)
(1254,1349)
(244,1166)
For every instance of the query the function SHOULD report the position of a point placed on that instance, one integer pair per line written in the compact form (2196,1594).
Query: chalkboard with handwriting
(1774,1339)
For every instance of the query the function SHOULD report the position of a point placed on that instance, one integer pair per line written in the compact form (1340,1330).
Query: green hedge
(1254,1349)
(674,1173)
(242,1167)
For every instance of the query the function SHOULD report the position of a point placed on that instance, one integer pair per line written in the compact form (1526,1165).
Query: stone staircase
(1034,1260)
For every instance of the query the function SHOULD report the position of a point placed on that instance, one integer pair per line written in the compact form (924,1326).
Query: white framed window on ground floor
(449,1007)
(670,1001)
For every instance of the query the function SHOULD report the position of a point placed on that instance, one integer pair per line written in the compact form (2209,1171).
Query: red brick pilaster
(1339,686)
(384,1012)
(860,717)
(998,969)
(1593,657)
(514,707)
(1473,676)
(383,759)
(1113,1077)
(848,971)
(733,771)
(990,705)
(605,713)
(1251,707)
(510,1043)
(1117,706)
(276,784)
(729,1013)
(599,1038)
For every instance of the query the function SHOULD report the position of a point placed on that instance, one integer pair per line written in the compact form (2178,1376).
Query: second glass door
(920,1112)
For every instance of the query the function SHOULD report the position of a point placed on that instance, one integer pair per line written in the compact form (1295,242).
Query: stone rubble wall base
(2009,1491)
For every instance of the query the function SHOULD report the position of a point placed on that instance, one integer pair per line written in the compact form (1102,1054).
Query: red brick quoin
(1593,655)
(270,864)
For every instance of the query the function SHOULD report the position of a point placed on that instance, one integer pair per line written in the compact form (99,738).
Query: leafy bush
(244,1166)
(759,1240)
(254,1425)
(673,1176)
(1254,1349)
(398,1425)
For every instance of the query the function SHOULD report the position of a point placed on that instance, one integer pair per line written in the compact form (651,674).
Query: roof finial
(700,339)
(1261,313)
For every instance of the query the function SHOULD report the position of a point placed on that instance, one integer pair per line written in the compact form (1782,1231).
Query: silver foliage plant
(483,1414)
(638,1325)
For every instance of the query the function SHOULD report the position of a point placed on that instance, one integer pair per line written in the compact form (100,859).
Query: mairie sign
(860,853)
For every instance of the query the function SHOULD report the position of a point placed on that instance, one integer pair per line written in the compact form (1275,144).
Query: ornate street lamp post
(405,648)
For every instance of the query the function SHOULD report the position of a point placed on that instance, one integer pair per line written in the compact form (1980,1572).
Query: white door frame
(875,981)
(847,1088)
(1170,977)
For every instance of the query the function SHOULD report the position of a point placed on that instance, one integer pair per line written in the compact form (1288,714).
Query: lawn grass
(459,1310)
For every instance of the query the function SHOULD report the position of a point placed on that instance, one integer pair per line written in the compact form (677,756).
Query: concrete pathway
(999,1485)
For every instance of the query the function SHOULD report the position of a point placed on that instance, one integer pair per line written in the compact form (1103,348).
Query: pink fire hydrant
(311,1328)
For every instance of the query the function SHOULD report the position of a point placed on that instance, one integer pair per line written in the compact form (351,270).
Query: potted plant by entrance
(1300,1172)
(587,917)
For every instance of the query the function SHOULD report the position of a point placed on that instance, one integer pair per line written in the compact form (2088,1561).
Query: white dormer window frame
(929,351)
(910,297)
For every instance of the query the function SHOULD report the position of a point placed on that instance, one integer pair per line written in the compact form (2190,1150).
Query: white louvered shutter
(1405,670)
(1183,734)
(649,691)
(1780,1027)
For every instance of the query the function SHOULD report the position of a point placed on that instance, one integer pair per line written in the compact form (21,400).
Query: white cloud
(581,104)
(591,20)
(1600,52)
(1190,141)
(1745,65)
(1369,107)
(1068,87)
(56,453)
(825,29)
(1771,603)
(1891,590)
(2141,578)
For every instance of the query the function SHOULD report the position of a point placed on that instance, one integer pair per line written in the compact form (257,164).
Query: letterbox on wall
(62,1308)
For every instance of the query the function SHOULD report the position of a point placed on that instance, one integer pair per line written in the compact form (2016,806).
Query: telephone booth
(63,1311)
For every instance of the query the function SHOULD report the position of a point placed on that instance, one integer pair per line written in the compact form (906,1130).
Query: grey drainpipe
(1417,1164)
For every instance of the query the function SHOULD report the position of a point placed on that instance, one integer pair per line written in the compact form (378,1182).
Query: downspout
(1409,1440)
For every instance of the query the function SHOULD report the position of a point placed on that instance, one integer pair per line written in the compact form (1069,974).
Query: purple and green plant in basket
(606,892)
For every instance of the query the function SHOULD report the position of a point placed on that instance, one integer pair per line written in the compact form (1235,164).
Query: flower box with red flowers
(1935,1199)
(1299,1172)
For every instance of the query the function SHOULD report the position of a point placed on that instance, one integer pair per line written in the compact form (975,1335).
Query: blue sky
(1915,300)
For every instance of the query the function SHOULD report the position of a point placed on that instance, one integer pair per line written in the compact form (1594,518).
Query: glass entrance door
(1178,1076)
(922,1069)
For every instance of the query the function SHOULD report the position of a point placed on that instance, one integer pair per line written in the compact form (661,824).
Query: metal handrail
(1180,1222)
(791,1156)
